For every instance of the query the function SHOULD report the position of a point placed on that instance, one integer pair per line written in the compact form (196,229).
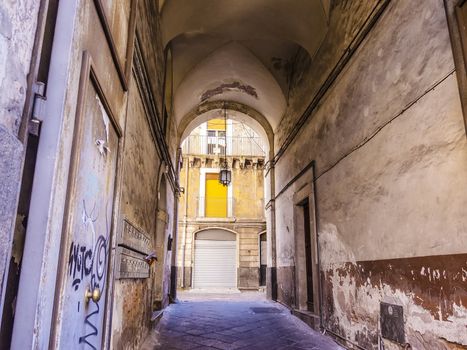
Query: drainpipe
(185,224)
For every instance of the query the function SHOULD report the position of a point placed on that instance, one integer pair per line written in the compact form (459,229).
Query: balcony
(214,145)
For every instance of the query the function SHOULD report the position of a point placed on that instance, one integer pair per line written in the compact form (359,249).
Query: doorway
(306,267)
(215,261)
(305,205)
(263,258)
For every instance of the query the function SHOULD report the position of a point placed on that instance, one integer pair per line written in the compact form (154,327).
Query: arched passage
(250,274)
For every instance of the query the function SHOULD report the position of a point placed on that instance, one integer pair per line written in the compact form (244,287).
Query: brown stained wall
(431,289)
(133,297)
(132,314)
(390,150)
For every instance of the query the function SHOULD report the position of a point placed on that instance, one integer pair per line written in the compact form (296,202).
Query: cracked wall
(389,143)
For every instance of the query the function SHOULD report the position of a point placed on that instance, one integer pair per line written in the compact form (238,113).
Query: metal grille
(392,322)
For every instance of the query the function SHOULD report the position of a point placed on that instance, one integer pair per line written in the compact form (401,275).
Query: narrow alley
(243,321)
(311,150)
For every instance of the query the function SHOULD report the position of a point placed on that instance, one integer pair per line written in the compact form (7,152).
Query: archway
(250,273)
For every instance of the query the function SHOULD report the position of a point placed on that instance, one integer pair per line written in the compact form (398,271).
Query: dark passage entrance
(263,259)
(308,256)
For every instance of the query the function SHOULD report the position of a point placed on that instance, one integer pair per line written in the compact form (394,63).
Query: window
(216,136)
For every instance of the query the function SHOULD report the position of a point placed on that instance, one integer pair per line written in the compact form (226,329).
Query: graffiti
(84,262)
(94,331)
(87,266)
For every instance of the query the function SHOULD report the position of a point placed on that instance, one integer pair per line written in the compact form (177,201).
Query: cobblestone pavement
(244,321)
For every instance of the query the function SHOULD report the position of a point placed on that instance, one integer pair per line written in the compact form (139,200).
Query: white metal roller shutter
(215,264)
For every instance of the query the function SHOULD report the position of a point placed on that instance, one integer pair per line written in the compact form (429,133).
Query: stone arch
(199,114)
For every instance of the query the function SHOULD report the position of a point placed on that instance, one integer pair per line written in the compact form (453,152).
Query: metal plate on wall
(392,322)
(130,264)
(134,238)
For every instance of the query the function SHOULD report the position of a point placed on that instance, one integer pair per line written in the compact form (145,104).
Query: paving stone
(227,323)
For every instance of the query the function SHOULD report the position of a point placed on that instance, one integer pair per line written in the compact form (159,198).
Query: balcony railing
(236,146)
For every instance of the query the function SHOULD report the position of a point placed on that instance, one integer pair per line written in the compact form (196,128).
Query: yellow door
(216,197)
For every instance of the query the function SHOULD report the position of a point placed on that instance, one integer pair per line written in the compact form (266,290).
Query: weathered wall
(101,38)
(18,21)
(149,32)
(134,297)
(390,150)
(248,191)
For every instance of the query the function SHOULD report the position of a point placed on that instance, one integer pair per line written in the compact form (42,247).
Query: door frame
(88,75)
(193,247)
(202,192)
(301,296)
(37,282)
(261,233)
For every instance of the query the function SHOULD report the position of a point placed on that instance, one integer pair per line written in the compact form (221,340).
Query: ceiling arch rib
(241,51)
(231,73)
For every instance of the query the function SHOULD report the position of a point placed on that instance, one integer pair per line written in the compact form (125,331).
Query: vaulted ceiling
(240,51)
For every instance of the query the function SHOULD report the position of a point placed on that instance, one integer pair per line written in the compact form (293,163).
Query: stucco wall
(390,150)
(133,297)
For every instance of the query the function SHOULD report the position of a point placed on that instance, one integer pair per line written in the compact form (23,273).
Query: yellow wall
(216,124)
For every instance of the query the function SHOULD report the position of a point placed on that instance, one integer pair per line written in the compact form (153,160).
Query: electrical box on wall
(392,322)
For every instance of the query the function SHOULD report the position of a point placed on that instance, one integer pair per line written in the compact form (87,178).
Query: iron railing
(236,145)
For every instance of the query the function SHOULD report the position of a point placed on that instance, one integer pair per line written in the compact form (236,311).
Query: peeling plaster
(356,305)
(102,144)
(227,87)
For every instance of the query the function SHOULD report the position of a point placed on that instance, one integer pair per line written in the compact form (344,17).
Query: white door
(215,264)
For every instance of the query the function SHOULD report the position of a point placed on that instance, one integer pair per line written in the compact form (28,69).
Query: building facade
(222,227)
